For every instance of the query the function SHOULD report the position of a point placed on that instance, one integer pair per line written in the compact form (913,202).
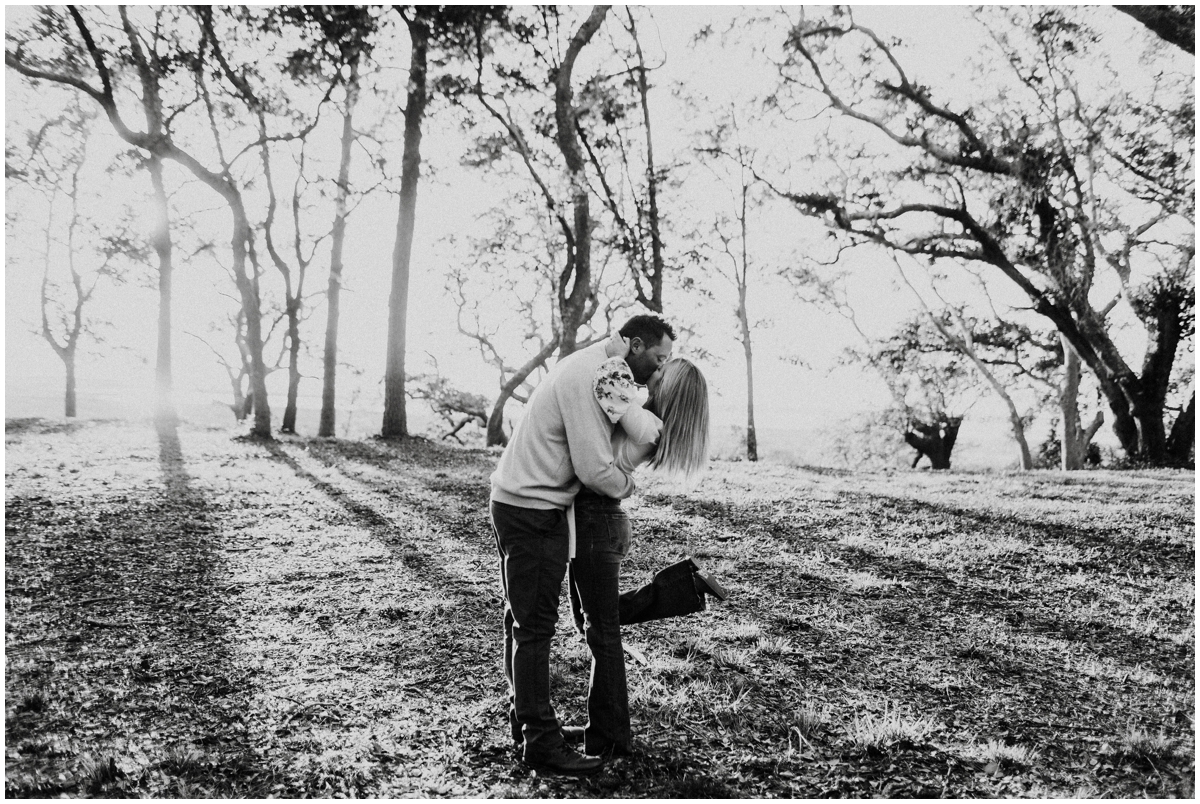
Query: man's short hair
(650,328)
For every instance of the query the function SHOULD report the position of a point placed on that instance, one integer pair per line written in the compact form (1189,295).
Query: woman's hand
(617,346)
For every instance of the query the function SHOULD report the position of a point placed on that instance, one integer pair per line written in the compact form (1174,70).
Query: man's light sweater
(564,439)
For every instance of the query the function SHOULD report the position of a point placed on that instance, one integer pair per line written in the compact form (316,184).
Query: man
(563,441)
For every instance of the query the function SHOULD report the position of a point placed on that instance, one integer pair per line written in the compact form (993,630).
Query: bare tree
(68,71)
(731,161)
(333,294)
(395,415)
(576,299)
(505,296)
(614,112)
(1023,190)
(959,335)
(456,407)
(427,26)
(63,323)
(931,388)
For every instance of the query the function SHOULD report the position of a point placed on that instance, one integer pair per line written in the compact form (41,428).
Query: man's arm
(589,440)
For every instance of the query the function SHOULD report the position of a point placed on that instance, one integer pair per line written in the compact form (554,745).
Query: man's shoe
(564,760)
(707,583)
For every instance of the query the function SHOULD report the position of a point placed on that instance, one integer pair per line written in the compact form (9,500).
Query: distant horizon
(983,447)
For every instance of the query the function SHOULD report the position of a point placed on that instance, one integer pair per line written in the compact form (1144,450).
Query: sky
(802,395)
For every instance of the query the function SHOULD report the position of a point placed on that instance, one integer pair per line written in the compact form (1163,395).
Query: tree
(731,161)
(456,407)
(960,334)
(334,42)
(395,415)
(452,26)
(576,298)
(1040,183)
(150,66)
(68,68)
(546,135)
(929,381)
(614,111)
(929,387)
(350,38)
(71,319)
(237,372)
(1075,439)
(53,167)
(507,297)
(519,293)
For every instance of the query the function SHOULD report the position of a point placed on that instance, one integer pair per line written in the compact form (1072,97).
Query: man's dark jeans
(602,539)
(533,545)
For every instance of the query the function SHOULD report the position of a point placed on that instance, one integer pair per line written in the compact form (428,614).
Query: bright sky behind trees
(799,385)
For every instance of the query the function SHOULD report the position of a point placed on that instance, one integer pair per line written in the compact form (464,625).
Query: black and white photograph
(584,401)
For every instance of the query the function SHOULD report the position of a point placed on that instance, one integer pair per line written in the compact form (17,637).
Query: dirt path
(192,615)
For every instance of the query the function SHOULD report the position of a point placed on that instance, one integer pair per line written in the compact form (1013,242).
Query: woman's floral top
(637,429)
(614,387)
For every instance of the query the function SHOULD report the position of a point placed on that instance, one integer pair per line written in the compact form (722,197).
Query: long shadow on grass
(141,640)
(440,468)
(440,471)
(405,550)
(934,595)
(1035,688)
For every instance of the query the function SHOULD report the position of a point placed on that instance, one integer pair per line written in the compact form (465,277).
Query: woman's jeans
(532,543)
(602,540)
(672,593)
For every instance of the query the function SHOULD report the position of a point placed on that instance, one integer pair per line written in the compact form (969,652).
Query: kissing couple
(556,512)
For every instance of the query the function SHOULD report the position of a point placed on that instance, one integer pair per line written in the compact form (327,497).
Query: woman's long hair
(681,401)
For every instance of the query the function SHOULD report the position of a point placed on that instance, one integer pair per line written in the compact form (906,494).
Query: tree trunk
(751,432)
(293,389)
(164,406)
(1183,435)
(329,381)
(935,440)
(1018,431)
(395,416)
(68,358)
(578,271)
(1171,304)
(248,287)
(241,403)
(1074,439)
(495,424)
(1014,416)
(654,302)
(1071,450)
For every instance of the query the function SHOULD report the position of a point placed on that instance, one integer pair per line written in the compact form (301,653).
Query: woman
(671,434)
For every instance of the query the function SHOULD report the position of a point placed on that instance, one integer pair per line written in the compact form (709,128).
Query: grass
(880,731)
(1140,744)
(812,722)
(998,754)
(194,616)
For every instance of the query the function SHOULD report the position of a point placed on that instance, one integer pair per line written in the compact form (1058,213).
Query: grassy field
(190,615)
